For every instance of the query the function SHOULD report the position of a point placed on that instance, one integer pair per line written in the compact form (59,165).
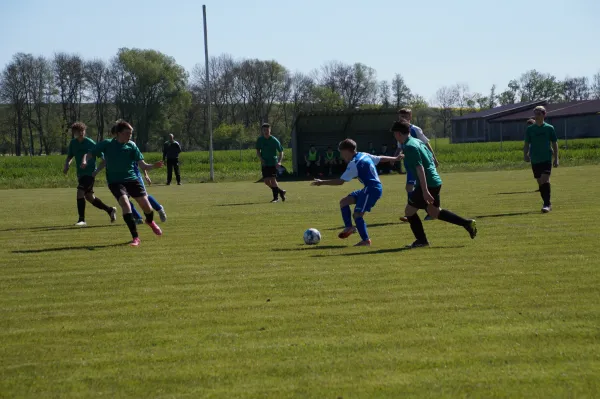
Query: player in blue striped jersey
(362,166)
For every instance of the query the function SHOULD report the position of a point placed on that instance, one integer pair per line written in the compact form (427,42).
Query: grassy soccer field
(229,303)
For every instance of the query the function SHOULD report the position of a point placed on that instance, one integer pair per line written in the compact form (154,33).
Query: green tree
(151,87)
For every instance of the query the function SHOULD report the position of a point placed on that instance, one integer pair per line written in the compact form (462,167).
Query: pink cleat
(155,228)
(135,243)
(366,243)
(347,232)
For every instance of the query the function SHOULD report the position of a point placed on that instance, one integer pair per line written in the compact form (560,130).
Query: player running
(362,166)
(270,153)
(153,202)
(419,160)
(541,145)
(78,148)
(417,133)
(120,153)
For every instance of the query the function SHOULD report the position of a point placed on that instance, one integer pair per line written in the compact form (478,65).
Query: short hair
(79,126)
(347,144)
(530,122)
(402,127)
(312,145)
(122,126)
(265,125)
(404,111)
(540,109)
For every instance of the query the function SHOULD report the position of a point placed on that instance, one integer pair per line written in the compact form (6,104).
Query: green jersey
(268,149)
(539,139)
(78,150)
(417,154)
(120,159)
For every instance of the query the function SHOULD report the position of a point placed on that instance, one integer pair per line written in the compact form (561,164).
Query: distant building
(578,119)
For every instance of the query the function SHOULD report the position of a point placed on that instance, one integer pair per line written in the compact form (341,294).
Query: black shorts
(416,198)
(269,171)
(131,188)
(86,184)
(543,168)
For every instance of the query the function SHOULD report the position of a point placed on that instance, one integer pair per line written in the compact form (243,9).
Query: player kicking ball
(419,160)
(120,154)
(362,166)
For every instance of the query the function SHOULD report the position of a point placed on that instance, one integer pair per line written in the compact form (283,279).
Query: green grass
(229,303)
(38,172)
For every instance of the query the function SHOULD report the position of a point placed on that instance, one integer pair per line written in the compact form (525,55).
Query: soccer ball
(312,237)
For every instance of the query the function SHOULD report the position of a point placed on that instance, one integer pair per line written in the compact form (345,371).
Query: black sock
(417,228)
(280,190)
(128,218)
(81,209)
(275,192)
(453,218)
(97,202)
(149,216)
(545,193)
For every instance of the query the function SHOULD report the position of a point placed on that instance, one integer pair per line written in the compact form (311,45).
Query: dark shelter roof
(500,111)
(557,110)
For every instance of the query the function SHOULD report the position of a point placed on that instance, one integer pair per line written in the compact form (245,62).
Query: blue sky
(431,43)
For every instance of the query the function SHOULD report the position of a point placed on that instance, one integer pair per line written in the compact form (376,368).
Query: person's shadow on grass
(69,248)
(53,228)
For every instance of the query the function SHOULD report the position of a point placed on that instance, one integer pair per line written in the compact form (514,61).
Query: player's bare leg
(149,213)
(349,229)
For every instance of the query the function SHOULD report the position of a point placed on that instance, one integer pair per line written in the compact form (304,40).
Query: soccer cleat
(428,218)
(366,243)
(419,244)
(404,219)
(163,215)
(155,229)
(546,208)
(282,193)
(81,223)
(135,242)
(179,183)
(274,200)
(347,232)
(139,221)
(113,214)
(472,228)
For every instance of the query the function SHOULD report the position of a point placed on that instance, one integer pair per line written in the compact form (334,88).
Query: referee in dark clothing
(171,150)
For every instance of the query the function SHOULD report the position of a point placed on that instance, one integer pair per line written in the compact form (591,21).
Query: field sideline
(229,303)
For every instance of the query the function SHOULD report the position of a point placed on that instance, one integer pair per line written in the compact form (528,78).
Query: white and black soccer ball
(312,237)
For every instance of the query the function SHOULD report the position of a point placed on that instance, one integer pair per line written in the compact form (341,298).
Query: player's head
(401,130)
(347,149)
(330,149)
(78,130)
(530,121)
(124,131)
(113,129)
(313,148)
(171,137)
(405,113)
(266,130)
(539,113)
(384,146)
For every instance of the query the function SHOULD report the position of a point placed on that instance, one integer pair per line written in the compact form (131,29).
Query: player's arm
(554,145)
(148,180)
(67,163)
(332,182)
(435,160)
(280,157)
(99,168)
(391,159)
(149,166)
(526,147)
(423,183)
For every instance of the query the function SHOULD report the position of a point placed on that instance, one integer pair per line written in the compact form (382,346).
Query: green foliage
(236,164)
(229,303)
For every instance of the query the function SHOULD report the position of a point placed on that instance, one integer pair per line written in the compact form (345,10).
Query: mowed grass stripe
(230,303)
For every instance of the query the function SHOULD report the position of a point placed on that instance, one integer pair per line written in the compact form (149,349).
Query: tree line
(41,97)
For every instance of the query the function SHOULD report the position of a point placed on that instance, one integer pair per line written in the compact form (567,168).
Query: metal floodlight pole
(208,103)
